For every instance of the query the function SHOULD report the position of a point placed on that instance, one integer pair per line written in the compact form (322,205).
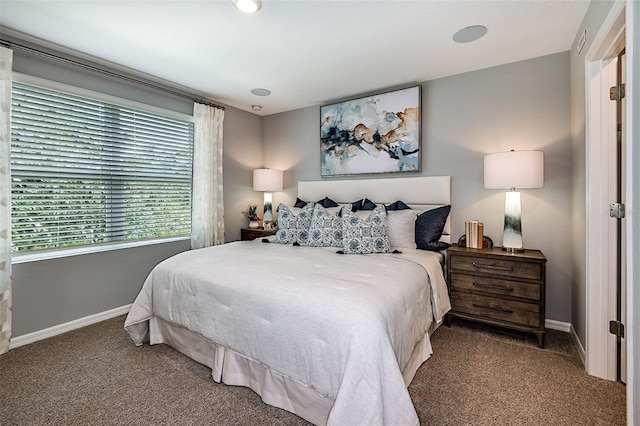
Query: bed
(334,338)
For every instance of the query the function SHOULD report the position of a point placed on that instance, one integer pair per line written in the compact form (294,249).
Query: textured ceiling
(306,52)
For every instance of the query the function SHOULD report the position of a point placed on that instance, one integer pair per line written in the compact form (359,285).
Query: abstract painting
(372,134)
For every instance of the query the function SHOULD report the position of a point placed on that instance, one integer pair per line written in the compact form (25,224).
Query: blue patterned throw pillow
(326,227)
(293,225)
(368,235)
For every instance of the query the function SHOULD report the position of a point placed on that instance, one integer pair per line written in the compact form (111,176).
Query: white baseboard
(25,339)
(579,347)
(557,325)
(567,328)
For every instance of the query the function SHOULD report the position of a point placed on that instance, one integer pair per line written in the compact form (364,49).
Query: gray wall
(52,292)
(521,106)
(592,22)
(242,153)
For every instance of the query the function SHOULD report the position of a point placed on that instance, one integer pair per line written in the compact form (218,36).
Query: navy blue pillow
(397,205)
(363,204)
(327,202)
(429,226)
(299,203)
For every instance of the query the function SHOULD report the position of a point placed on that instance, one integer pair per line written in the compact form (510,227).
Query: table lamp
(267,180)
(513,169)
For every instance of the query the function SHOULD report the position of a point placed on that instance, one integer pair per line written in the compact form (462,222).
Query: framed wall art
(372,134)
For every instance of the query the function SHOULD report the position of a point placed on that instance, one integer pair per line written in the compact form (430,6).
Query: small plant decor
(252,213)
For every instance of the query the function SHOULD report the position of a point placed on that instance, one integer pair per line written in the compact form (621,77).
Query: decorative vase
(253,224)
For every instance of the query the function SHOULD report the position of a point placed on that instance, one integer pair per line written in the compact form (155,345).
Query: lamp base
(513,250)
(267,212)
(512,234)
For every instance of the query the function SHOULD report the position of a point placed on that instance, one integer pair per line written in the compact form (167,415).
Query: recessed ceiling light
(248,6)
(471,33)
(261,92)
(256,107)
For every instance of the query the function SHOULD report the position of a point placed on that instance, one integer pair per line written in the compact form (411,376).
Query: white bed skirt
(275,389)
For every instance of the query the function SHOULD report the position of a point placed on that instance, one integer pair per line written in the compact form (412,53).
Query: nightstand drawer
(504,267)
(497,286)
(498,309)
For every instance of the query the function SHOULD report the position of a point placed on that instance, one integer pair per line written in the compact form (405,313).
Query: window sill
(35,256)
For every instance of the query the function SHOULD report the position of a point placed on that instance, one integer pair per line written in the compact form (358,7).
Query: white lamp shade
(514,169)
(267,180)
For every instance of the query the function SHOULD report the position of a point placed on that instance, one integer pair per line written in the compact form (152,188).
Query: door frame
(633,204)
(600,229)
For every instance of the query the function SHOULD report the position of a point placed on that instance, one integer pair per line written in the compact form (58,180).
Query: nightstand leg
(540,335)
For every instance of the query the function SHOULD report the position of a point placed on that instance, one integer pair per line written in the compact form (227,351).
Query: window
(85,171)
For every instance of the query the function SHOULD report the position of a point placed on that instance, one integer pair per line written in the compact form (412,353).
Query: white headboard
(422,192)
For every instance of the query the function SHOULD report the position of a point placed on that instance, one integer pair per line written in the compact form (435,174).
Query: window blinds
(87,172)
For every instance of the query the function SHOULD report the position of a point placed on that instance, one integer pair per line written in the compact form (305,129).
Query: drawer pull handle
(498,268)
(494,308)
(493,286)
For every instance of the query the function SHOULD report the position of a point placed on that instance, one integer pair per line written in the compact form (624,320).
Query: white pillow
(401,226)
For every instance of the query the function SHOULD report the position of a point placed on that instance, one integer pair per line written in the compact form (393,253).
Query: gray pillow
(401,227)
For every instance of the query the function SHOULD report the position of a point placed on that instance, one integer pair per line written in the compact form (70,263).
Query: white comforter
(345,325)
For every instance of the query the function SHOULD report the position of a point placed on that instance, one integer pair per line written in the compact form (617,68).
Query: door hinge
(616,328)
(617,210)
(616,93)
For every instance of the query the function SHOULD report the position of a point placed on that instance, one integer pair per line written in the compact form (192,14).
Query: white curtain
(6,59)
(207,211)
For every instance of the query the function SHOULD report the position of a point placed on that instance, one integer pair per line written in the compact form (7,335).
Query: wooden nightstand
(253,233)
(499,288)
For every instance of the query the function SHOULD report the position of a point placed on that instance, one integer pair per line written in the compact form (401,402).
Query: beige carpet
(96,376)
